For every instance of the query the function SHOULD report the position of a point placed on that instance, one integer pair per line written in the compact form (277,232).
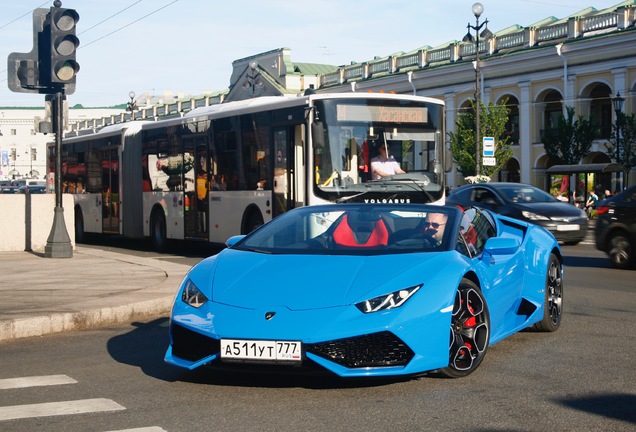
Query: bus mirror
(318,134)
(448,161)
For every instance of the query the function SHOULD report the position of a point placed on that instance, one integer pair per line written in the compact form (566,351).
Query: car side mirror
(318,135)
(234,240)
(501,246)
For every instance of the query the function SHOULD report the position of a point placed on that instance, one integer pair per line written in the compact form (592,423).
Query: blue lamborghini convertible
(369,290)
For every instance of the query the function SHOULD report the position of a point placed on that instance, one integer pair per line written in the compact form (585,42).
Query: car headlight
(388,301)
(192,295)
(533,216)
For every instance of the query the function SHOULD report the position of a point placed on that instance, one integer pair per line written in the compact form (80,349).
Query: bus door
(197,185)
(284,182)
(110,190)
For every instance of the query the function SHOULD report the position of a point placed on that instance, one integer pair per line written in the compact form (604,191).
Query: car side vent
(526,308)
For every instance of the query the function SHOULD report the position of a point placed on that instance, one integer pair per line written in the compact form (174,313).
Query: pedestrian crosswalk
(37,381)
(57,408)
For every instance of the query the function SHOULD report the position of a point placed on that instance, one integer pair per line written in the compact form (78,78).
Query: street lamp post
(618,101)
(477,9)
(132,105)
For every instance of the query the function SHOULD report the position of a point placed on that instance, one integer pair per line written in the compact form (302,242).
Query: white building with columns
(583,61)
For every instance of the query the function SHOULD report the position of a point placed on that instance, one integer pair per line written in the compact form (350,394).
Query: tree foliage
(571,140)
(626,125)
(492,123)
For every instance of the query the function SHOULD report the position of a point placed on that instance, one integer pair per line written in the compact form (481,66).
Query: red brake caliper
(470,322)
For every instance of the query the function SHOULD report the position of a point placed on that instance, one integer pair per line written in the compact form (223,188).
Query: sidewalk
(40,295)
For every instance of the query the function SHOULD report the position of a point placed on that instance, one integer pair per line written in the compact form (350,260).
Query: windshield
(370,148)
(358,229)
(526,194)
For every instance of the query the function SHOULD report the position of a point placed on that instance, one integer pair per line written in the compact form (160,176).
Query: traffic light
(57,50)
(23,68)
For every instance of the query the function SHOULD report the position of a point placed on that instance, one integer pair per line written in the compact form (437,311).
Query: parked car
(368,290)
(616,228)
(31,189)
(566,222)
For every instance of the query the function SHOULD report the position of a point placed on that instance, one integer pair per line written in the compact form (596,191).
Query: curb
(85,320)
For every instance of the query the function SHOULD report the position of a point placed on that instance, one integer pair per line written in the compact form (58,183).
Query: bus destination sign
(383,114)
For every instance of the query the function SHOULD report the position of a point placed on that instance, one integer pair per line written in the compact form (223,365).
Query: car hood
(254,280)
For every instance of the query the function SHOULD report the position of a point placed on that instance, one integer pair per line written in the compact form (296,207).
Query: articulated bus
(225,169)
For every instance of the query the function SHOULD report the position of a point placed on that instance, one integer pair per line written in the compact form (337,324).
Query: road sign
(490,161)
(488,147)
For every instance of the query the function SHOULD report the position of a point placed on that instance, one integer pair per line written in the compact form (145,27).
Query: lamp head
(618,101)
(478,9)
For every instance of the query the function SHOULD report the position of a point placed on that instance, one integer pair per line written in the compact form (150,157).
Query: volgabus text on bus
(387,200)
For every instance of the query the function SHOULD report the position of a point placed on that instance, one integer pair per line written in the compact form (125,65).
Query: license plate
(264,350)
(568,227)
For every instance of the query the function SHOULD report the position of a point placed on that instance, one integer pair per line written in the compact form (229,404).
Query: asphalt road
(579,378)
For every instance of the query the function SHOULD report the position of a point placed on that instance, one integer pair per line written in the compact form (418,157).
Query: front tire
(470,331)
(553,299)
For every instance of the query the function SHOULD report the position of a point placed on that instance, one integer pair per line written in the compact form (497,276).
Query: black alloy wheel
(469,332)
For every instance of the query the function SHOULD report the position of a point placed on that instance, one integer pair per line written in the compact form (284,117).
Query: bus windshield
(378,149)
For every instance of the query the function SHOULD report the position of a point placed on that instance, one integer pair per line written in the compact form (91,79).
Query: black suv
(616,228)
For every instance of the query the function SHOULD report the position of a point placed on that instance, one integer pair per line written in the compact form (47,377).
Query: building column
(525,131)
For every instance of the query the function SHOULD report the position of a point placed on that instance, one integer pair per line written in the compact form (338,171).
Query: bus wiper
(350,197)
(415,183)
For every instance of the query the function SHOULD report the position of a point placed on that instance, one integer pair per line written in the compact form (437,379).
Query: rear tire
(553,299)
(158,231)
(79,226)
(621,251)
(469,333)
(254,221)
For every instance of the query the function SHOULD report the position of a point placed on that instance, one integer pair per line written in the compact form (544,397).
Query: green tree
(626,145)
(571,140)
(492,123)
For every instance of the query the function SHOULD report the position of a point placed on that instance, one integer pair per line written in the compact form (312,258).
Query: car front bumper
(567,232)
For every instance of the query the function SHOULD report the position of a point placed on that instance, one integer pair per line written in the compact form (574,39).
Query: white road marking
(144,429)
(58,408)
(35,381)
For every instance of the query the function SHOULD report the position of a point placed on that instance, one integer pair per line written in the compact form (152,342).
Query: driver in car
(434,225)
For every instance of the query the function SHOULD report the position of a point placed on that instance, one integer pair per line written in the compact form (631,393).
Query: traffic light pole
(58,245)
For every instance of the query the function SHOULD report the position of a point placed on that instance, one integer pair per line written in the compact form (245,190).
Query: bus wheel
(253,221)
(158,231)
(79,225)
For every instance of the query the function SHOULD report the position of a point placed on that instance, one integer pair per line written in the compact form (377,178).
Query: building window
(553,112)
(601,110)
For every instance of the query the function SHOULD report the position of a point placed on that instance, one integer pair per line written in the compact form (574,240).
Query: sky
(188,46)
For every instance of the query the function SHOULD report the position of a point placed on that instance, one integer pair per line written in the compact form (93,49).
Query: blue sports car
(369,290)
